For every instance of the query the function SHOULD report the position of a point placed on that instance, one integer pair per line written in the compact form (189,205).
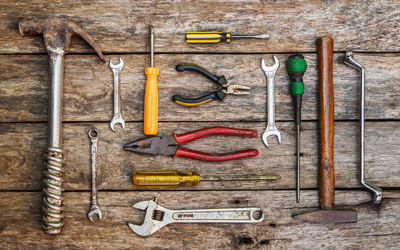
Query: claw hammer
(57,35)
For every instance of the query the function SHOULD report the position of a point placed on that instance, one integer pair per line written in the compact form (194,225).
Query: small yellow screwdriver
(216,37)
(172,178)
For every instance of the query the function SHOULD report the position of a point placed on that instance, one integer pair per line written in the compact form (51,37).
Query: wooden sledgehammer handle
(326,118)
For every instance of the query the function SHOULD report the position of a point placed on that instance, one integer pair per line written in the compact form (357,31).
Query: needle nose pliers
(169,145)
(225,89)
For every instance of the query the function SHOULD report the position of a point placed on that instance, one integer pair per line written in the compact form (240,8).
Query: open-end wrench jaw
(119,66)
(271,69)
(117,120)
(94,209)
(269,132)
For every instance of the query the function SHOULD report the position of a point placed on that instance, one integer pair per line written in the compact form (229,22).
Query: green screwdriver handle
(296,66)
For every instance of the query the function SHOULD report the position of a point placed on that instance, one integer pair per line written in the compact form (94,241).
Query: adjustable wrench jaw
(151,221)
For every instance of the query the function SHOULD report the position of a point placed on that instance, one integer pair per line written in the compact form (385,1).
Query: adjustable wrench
(271,127)
(157,216)
(94,207)
(117,118)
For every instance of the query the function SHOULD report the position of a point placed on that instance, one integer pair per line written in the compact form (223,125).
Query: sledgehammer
(327,214)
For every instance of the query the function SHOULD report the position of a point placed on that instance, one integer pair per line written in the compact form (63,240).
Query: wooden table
(370,28)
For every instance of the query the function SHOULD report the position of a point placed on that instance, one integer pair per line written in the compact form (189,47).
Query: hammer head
(57,34)
(328,216)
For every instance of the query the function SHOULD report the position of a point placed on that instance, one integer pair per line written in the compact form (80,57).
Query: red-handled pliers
(169,145)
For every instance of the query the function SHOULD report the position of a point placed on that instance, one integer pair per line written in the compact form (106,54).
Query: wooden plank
(23,145)
(122,26)
(376,228)
(88,88)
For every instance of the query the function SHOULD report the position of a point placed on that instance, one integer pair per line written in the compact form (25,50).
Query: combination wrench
(157,216)
(117,118)
(94,206)
(271,126)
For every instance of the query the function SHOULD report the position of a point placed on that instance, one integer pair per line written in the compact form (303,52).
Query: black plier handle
(220,80)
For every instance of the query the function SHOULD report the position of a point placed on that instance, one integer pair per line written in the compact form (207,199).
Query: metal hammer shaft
(326,118)
(57,35)
(55,100)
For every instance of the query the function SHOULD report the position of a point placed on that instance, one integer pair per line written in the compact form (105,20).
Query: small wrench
(117,118)
(271,126)
(157,216)
(94,207)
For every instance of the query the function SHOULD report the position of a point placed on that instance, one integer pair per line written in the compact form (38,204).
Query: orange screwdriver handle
(151,102)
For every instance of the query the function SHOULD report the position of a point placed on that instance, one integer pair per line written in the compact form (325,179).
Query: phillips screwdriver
(216,37)
(296,66)
(172,178)
(151,93)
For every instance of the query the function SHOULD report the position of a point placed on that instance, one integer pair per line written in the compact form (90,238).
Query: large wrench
(117,118)
(94,207)
(271,126)
(158,216)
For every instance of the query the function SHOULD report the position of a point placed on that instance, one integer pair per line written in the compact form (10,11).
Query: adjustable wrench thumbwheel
(117,117)
(271,126)
(94,207)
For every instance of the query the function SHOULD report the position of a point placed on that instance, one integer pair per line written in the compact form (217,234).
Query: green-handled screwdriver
(296,66)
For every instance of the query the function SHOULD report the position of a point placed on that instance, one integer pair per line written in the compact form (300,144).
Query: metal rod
(239,177)
(55,99)
(151,46)
(298,163)
(263,36)
(352,63)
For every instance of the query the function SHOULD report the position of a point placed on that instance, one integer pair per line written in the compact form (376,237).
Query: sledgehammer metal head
(57,35)
(327,214)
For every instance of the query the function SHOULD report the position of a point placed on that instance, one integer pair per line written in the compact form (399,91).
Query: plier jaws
(155,145)
(169,145)
(236,89)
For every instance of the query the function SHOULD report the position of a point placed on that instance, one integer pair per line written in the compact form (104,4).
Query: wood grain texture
(122,26)
(326,122)
(376,226)
(88,88)
(23,145)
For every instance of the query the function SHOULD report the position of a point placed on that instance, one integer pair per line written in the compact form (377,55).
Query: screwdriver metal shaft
(263,36)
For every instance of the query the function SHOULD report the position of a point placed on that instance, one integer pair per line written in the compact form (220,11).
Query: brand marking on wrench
(94,207)
(157,216)
(117,118)
(271,126)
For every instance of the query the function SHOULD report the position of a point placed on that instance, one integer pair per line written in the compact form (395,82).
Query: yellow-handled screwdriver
(172,178)
(151,93)
(216,37)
